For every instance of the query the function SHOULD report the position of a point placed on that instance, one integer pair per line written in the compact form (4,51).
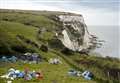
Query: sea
(111,36)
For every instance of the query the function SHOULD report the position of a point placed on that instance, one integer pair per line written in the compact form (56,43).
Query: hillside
(26,31)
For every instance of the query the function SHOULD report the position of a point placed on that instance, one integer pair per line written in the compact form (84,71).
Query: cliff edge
(74,34)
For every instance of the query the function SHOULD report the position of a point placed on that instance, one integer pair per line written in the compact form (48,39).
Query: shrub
(67,51)
(21,49)
(5,49)
(55,44)
(44,48)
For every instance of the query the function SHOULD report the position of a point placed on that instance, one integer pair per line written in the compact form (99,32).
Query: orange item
(39,75)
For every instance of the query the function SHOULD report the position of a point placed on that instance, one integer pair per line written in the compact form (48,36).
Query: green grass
(97,65)
(51,72)
(9,32)
(12,29)
(39,21)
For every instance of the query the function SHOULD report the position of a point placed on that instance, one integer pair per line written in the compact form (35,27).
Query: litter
(33,73)
(31,57)
(26,74)
(54,61)
(11,59)
(27,53)
(26,58)
(73,72)
(87,75)
(4,59)
(9,81)
(39,75)
(28,77)
(21,75)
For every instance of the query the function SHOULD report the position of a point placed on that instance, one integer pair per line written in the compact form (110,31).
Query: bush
(21,49)
(67,51)
(5,49)
(44,48)
(56,44)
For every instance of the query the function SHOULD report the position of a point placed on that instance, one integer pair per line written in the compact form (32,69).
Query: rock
(74,34)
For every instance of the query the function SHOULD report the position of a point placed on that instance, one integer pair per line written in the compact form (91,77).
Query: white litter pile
(9,81)
(54,61)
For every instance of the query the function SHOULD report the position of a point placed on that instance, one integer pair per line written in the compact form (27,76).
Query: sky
(95,12)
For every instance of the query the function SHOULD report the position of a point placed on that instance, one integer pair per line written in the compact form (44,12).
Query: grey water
(111,36)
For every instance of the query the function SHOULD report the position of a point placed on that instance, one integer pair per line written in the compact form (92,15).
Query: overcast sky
(95,12)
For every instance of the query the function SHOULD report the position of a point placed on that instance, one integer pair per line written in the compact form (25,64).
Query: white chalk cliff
(74,34)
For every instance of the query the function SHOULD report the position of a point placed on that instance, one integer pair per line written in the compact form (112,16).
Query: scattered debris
(9,81)
(8,59)
(54,61)
(32,57)
(86,74)
(73,72)
(26,74)
(39,75)
(27,57)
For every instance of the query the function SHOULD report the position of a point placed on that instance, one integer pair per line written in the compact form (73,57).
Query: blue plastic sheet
(87,75)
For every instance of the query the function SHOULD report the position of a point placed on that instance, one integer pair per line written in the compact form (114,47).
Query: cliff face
(74,34)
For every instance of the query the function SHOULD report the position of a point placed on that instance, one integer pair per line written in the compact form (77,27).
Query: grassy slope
(12,29)
(51,73)
(98,65)
(28,24)
(9,31)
